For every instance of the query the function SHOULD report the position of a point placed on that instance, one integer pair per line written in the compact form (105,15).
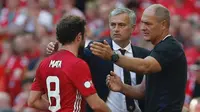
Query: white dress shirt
(116,101)
(87,41)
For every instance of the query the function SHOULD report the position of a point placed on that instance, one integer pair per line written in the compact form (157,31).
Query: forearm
(41,104)
(97,104)
(102,107)
(136,92)
(132,64)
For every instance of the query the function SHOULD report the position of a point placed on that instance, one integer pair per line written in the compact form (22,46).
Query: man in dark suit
(122,23)
(166,63)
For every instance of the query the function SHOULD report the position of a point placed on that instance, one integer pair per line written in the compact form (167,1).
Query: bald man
(165,67)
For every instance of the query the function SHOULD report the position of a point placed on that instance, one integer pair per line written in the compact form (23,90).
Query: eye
(146,23)
(112,24)
(122,24)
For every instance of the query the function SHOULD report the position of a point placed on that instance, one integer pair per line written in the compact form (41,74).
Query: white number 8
(55,93)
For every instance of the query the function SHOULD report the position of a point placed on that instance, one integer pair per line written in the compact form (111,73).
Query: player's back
(58,77)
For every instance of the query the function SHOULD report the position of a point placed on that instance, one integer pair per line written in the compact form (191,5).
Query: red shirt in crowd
(192,54)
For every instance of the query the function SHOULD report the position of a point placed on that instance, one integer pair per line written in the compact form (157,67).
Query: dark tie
(127,80)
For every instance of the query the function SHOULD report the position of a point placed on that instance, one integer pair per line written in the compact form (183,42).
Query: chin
(117,39)
(147,38)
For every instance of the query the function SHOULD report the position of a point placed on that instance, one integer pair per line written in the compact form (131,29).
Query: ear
(79,37)
(164,24)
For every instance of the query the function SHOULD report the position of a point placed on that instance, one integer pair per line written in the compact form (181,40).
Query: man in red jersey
(64,77)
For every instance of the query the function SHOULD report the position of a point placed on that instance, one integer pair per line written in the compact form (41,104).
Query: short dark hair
(68,28)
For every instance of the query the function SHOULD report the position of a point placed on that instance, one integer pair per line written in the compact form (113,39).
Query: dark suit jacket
(100,69)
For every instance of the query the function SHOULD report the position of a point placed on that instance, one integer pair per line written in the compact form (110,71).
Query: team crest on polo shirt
(88,84)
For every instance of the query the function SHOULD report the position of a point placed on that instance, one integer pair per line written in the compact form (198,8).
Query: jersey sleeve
(81,78)
(37,82)
(167,52)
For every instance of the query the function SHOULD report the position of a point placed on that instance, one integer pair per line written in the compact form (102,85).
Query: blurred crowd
(27,26)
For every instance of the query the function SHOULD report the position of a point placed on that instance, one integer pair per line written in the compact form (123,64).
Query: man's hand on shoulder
(102,50)
(52,47)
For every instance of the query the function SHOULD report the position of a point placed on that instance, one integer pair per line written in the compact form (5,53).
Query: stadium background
(27,26)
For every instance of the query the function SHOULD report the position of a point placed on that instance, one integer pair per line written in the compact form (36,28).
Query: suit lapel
(110,64)
(136,54)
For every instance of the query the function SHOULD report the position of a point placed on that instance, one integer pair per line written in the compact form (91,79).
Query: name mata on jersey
(58,64)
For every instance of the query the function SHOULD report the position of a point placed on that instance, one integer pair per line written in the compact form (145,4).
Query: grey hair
(161,12)
(130,13)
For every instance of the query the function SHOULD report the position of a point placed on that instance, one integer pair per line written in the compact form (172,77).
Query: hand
(52,47)
(114,82)
(103,50)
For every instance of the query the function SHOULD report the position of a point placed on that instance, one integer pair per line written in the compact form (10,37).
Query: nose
(116,28)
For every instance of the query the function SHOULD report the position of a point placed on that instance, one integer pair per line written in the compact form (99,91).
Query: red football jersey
(65,78)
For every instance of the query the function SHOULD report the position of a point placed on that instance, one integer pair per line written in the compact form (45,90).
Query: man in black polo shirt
(165,67)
